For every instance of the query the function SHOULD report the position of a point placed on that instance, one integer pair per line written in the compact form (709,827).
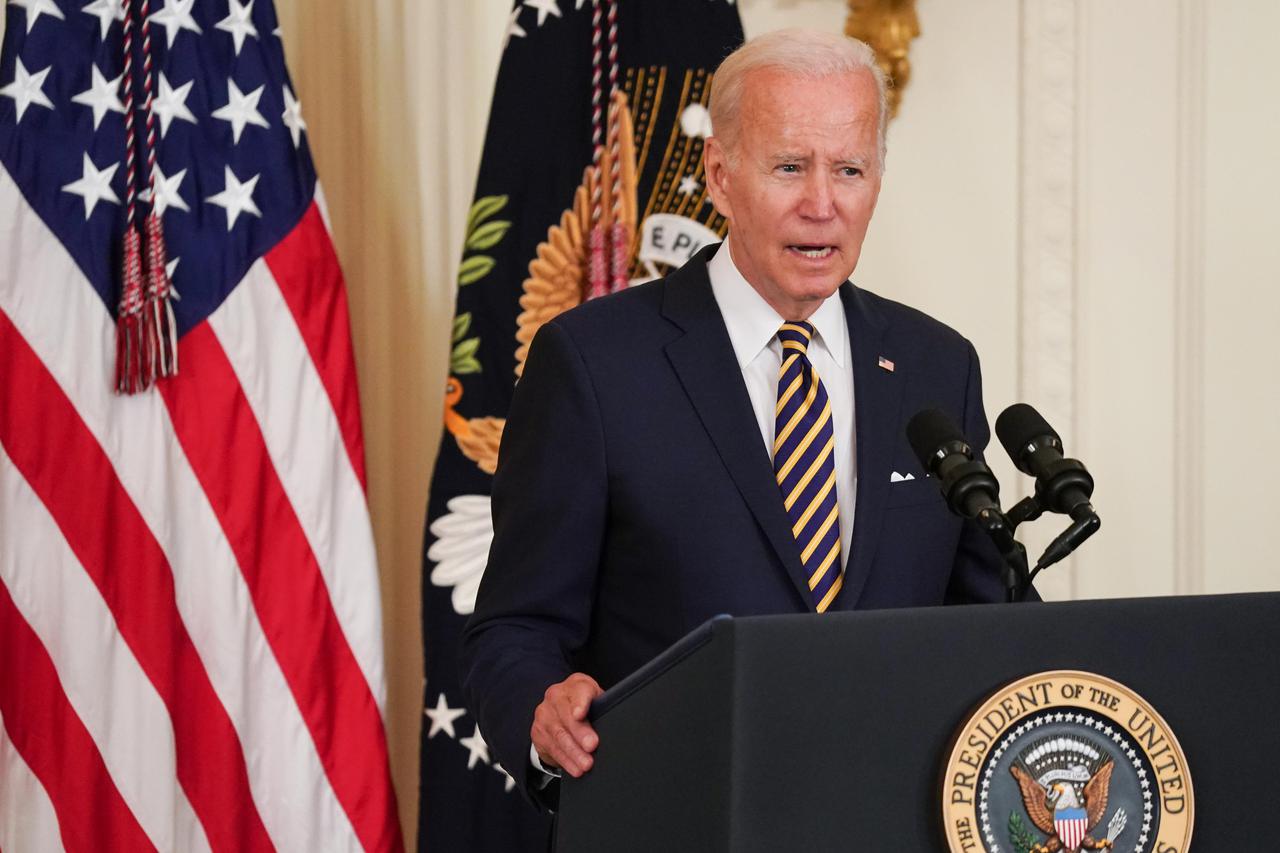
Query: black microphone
(967,483)
(1062,485)
(969,487)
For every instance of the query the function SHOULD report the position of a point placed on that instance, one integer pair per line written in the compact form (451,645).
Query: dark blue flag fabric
(590,181)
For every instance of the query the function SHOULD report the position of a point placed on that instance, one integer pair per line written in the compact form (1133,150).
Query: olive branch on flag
(482,234)
(463,358)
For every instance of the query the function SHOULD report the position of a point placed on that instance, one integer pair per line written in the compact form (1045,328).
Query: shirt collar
(752,322)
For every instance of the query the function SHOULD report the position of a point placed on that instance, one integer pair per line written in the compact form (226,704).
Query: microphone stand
(1084,523)
(1014,573)
(969,489)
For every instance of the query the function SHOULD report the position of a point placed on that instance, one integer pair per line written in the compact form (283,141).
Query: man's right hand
(561,734)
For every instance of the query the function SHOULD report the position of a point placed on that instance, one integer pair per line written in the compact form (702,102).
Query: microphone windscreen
(1018,426)
(929,430)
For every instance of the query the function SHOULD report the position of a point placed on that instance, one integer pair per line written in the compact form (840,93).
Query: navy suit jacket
(634,497)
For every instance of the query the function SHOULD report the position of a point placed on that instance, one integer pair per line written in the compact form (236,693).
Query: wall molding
(1049,120)
(1189,331)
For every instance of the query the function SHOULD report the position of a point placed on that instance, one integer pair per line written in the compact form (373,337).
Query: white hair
(807,53)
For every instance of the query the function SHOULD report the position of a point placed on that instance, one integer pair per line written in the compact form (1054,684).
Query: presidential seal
(1065,761)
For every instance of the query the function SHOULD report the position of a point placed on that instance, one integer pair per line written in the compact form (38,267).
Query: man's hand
(561,734)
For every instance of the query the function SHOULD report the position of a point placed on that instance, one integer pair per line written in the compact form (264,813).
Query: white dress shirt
(753,330)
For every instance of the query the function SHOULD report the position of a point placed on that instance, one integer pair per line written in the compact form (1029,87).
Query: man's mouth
(812,250)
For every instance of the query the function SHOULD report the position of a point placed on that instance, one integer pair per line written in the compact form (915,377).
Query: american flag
(190,627)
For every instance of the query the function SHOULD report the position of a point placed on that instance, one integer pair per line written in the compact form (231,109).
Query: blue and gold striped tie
(804,462)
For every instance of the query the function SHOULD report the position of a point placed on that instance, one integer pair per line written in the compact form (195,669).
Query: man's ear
(715,164)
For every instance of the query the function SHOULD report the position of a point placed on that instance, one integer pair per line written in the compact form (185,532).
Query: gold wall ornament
(888,26)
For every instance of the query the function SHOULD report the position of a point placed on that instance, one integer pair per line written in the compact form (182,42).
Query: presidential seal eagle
(1055,808)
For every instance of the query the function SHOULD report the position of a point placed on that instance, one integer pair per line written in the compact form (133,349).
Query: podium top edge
(724,623)
(949,611)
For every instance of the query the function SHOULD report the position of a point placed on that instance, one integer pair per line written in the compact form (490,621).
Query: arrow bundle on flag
(591,180)
(190,627)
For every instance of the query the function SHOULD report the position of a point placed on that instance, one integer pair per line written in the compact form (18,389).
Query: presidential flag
(190,628)
(591,180)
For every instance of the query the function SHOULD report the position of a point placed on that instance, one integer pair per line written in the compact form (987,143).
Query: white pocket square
(895,477)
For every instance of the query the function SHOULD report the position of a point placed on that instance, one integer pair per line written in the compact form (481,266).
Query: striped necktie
(804,463)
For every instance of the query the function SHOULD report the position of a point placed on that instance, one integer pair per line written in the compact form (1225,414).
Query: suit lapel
(703,360)
(877,403)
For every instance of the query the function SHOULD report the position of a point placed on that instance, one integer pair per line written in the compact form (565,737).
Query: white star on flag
(688,185)
(514,30)
(166,192)
(106,11)
(236,198)
(479,749)
(239,23)
(442,717)
(94,185)
(36,8)
(27,89)
(103,95)
(171,103)
(176,17)
(169,269)
(508,782)
(292,116)
(544,7)
(241,109)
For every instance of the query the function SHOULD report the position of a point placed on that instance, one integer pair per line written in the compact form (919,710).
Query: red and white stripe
(189,614)
(29,816)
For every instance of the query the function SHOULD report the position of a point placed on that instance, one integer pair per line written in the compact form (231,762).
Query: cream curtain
(396,94)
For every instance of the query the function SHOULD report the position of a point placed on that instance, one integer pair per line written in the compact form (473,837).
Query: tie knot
(795,336)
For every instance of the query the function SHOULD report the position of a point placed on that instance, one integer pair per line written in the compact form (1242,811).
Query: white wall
(1241,256)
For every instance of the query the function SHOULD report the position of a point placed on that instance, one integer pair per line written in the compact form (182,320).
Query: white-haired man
(726,440)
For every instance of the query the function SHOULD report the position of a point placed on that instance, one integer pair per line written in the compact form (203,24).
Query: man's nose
(819,200)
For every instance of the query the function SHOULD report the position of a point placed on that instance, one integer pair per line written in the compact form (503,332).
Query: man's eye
(789,168)
(851,171)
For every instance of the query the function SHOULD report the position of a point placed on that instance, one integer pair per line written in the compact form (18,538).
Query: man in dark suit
(728,439)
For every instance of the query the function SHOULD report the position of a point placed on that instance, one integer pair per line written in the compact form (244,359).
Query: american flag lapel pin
(885,364)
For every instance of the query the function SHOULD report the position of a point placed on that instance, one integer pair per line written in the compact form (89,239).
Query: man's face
(803,186)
